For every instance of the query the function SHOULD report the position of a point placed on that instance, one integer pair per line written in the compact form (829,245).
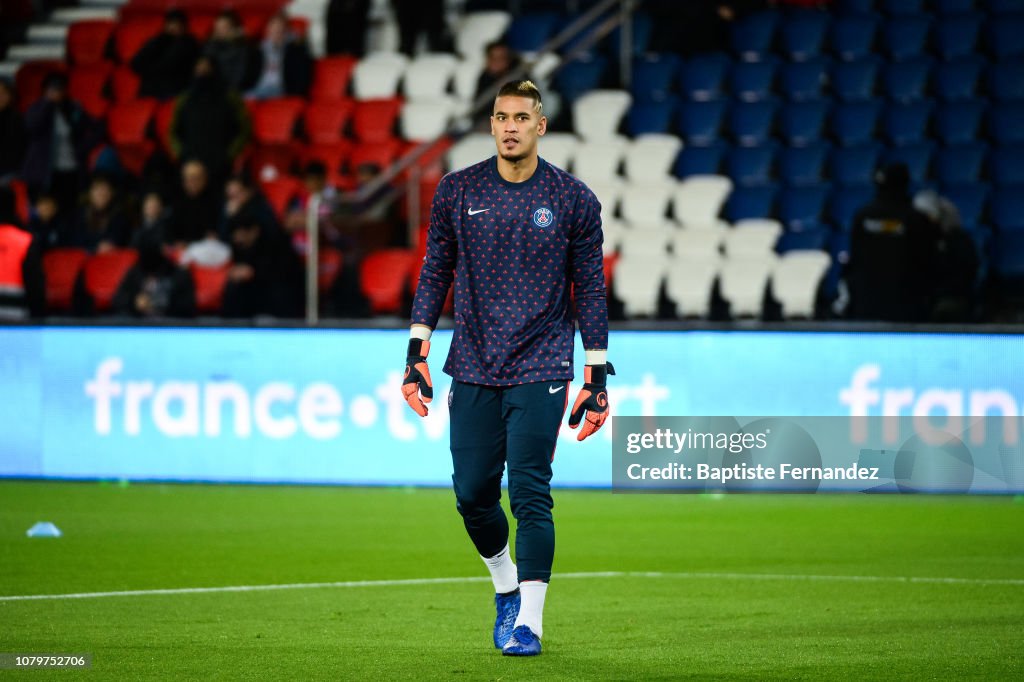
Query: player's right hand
(416,386)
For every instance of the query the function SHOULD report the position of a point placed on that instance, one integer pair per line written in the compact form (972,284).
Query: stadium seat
(814,239)
(637,282)
(698,161)
(902,7)
(700,123)
(854,165)
(750,202)
(558,148)
(653,76)
(854,81)
(465,79)
(802,34)
(608,193)
(428,76)
(802,208)
(162,119)
(906,81)
(651,117)
(642,27)
(802,123)
(597,114)
(324,122)
(742,282)
(751,123)
(695,245)
(1006,80)
(854,123)
(1004,34)
(475,30)
(803,166)
(381,154)
(377,75)
(426,120)
(1008,256)
(529,32)
(374,120)
(702,77)
(905,124)
(845,7)
(752,35)
(752,81)
(971,201)
(802,81)
(209,286)
(953,6)
(1007,166)
(751,166)
(87,84)
(645,205)
(274,120)
(906,37)
(751,238)
(698,200)
(128,122)
(795,281)
(917,158)
(961,164)
(124,84)
(102,274)
(844,202)
(1004,122)
(61,267)
(853,36)
(599,161)
(649,158)
(956,35)
(86,41)
(131,34)
(958,122)
(22,205)
(958,79)
(689,283)
(1000,7)
(331,77)
(383,278)
(580,76)
(473,148)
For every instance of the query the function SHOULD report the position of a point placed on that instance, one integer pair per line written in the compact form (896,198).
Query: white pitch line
(1014,582)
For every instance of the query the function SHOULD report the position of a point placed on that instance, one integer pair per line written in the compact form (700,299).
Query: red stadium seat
(22,206)
(331,76)
(381,154)
(61,268)
(325,122)
(131,34)
(28,81)
(209,285)
(273,120)
(103,273)
(254,21)
(86,42)
(124,84)
(128,122)
(162,123)
(200,24)
(299,26)
(374,119)
(281,192)
(270,162)
(87,84)
(384,279)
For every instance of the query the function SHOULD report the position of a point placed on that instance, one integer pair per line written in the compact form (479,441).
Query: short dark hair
(316,168)
(522,88)
(175,14)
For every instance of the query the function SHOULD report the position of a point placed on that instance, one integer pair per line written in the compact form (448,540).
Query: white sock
(531,606)
(503,571)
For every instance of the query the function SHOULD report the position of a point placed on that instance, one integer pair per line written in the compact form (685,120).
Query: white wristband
(597,357)
(419,331)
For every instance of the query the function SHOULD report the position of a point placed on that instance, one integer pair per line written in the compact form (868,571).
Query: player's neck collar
(525,184)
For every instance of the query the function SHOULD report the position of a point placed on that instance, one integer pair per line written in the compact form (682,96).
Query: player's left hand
(592,400)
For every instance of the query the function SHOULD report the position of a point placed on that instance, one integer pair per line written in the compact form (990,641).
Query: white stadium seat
(648,241)
(614,233)
(471,149)
(428,76)
(559,149)
(649,158)
(597,114)
(753,237)
(608,194)
(645,203)
(697,244)
(742,283)
(795,281)
(475,30)
(637,283)
(689,283)
(699,198)
(596,162)
(465,78)
(426,120)
(377,75)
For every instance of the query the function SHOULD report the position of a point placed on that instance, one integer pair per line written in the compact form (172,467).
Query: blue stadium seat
(1007,166)
(854,166)
(699,161)
(958,79)
(1004,36)
(653,76)
(1008,209)
(853,37)
(751,166)
(529,32)
(960,164)
(751,123)
(803,166)
(581,76)
(802,81)
(806,240)
(641,34)
(902,7)
(917,157)
(1005,122)
(906,124)
(753,35)
(970,200)
(750,202)
(802,208)
(854,81)
(958,122)
(699,123)
(1005,6)
(802,34)
(651,117)
(854,123)
(906,81)
(752,81)
(1008,255)
(1006,80)
(956,35)
(844,202)
(855,6)
(802,123)
(953,6)
(906,37)
(703,76)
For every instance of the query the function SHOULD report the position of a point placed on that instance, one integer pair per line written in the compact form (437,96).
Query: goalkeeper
(519,238)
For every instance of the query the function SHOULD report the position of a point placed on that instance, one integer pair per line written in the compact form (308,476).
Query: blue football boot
(507,606)
(522,643)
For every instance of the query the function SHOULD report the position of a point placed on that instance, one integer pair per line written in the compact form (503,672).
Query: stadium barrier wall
(324,406)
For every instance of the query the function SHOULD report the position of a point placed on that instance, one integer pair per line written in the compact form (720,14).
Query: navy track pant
(518,426)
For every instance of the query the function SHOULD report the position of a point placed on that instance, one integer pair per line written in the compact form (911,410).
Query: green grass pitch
(733,598)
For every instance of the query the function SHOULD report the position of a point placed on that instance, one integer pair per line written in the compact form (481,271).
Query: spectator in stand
(286,67)
(266,276)
(236,57)
(314,180)
(954,262)
(154,219)
(165,62)
(417,17)
(240,195)
(101,224)
(22,288)
(500,62)
(210,122)
(46,224)
(155,286)
(12,133)
(59,136)
(347,25)
(196,212)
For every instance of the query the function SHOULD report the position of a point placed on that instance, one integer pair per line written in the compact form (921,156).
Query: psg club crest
(543,217)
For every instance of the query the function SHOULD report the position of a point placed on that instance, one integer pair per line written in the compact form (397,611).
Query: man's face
(223,29)
(174,27)
(498,59)
(193,178)
(516,126)
(100,194)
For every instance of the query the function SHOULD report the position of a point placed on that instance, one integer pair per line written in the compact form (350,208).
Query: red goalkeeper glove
(592,400)
(416,386)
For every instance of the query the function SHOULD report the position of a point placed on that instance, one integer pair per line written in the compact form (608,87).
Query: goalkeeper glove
(592,400)
(416,386)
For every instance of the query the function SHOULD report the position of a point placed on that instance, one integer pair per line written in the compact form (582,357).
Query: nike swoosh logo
(553,389)
(482,210)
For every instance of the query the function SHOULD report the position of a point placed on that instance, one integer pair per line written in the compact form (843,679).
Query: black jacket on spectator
(238,61)
(94,226)
(164,65)
(39,124)
(210,124)
(275,288)
(193,217)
